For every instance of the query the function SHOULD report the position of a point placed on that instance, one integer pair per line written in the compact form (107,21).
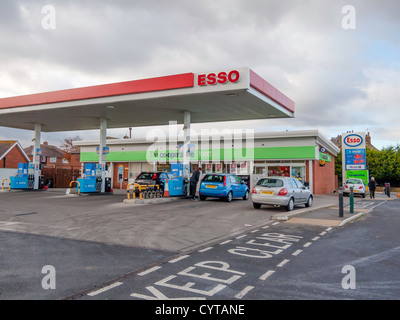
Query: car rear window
(268,182)
(213,178)
(146,175)
(354,181)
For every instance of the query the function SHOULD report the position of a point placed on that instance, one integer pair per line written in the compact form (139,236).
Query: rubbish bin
(387,189)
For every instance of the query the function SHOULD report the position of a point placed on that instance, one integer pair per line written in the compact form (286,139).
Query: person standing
(193,182)
(372,187)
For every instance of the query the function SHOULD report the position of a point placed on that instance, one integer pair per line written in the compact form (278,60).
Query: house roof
(7,145)
(47,151)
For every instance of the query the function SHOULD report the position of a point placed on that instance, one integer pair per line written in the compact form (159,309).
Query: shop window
(280,171)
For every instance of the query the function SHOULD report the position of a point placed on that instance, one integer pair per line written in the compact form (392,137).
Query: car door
(295,191)
(303,191)
(241,186)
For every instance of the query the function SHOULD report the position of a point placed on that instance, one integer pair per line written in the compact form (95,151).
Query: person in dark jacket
(193,182)
(372,187)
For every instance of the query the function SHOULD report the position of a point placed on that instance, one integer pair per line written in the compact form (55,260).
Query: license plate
(212,187)
(355,191)
(267,192)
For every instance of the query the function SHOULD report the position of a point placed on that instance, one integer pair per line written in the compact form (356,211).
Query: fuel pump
(25,178)
(92,181)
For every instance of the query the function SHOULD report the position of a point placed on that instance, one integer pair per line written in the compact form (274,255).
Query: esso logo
(218,78)
(353,140)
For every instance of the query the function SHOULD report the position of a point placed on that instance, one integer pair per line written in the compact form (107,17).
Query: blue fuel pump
(25,177)
(92,180)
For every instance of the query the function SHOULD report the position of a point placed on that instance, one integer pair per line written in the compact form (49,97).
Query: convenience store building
(305,154)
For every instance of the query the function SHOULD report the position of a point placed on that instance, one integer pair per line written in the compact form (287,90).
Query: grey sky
(339,79)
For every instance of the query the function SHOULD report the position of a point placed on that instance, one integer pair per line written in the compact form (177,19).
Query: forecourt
(219,95)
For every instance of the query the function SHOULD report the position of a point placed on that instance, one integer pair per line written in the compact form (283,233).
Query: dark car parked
(151,179)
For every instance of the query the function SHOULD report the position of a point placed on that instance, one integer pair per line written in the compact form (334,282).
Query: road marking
(329,229)
(179,259)
(94,293)
(225,242)
(241,236)
(265,227)
(254,231)
(266,275)
(275,223)
(283,262)
(322,233)
(205,249)
(307,244)
(296,252)
(242,293)
(148,271)
(315,238)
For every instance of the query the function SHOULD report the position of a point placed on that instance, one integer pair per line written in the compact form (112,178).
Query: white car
(357,185)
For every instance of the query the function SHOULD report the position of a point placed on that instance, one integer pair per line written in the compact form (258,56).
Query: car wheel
(256,205)
(246,195)
(202,198)
(363,195)
(229,197)
(309,202)
(290,205)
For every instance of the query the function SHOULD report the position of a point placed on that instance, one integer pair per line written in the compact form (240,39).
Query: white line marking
(296,252)
(322,233)
(225,242)
(275,223)
(178,259)
(242,293)
(254,231)
(266,275)
(307,244)
(241,236)
(93,293)
(265,227)
(315,238)
(328,229)
(283,263)
(205,249)
(149,271)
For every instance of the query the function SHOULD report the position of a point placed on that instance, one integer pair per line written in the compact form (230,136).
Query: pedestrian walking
(372,187)
(193,182)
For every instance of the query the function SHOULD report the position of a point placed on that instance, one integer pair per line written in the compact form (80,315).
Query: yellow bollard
(9,184)
(78,187)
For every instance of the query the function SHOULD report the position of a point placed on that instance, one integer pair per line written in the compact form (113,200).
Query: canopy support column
(186,155)
(36,152)
(102,154)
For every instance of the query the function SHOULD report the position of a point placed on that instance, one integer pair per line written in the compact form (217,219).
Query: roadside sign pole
(351,200)
(340,202)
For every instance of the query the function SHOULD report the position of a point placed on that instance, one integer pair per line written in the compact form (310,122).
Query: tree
(67,146)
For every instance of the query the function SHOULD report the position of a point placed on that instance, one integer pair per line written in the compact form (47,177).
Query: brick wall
(324,177)
(12,159)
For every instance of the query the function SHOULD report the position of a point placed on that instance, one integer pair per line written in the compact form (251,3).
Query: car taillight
(360,187)
(254,190)
(346,186)
(282,192)
(154,176)
(224,181)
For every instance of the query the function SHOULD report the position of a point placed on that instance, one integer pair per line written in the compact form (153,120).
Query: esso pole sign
(214,78)
(353,153)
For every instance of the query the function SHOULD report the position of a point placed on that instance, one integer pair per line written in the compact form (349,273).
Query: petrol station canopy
(227,95)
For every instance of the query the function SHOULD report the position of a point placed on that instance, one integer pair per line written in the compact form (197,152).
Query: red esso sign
(353,140)
(218,78)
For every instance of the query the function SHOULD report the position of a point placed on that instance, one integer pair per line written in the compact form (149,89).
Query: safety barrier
(9,184)
(78,188)
(144,191)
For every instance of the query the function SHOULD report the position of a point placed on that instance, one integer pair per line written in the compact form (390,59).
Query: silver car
(281,191)
(357,185)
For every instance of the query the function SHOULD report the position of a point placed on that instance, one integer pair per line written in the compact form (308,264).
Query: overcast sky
(340,79)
